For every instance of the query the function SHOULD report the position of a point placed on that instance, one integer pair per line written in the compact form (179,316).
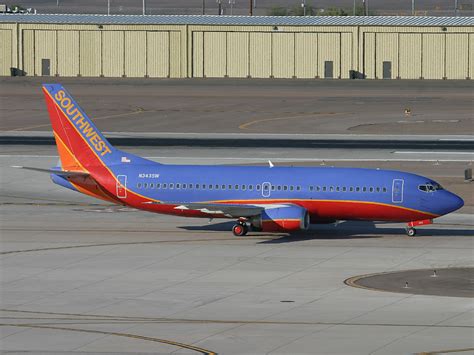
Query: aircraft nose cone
(454,203)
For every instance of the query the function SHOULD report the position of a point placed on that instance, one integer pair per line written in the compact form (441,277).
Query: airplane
(258,198)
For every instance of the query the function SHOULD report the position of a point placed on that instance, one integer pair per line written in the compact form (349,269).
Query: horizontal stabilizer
(52,171)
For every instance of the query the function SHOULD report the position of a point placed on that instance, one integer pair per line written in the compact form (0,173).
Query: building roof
(237,20)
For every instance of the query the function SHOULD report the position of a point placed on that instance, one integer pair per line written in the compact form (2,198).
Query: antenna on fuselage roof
(270,164)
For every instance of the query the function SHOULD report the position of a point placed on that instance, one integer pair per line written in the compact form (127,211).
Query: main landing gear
(240,229)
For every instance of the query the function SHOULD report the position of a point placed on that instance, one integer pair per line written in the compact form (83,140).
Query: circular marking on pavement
(449,282)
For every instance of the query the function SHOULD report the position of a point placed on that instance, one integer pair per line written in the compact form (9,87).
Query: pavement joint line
(127,335)
(296,115)
(422,329)
(436,352)
(124,243)
(93,317)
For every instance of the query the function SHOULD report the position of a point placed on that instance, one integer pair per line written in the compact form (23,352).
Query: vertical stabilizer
(81,146)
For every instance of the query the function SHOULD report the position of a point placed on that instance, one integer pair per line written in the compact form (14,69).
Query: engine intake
(287,218)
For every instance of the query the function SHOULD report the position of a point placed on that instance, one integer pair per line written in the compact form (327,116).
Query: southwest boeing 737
(265,198)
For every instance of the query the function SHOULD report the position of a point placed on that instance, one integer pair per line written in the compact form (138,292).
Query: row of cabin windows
(201,186)
(350,189)
(179,186)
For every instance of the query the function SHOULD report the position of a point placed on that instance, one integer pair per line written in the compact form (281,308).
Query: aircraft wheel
(239,230)
(411,232)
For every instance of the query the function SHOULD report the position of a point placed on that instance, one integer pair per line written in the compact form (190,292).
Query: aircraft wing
(229,210)
(57,172)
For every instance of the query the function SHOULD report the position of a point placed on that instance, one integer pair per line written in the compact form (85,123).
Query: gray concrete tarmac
(80,276)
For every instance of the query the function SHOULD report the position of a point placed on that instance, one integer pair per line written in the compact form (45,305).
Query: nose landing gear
(411,231)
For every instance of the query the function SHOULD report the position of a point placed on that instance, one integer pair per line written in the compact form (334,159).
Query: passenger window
(337,188)
(344,189)
(311,188)
(273,187)
(139,186)
(244,187)
(351,189)
(250,187)
(364,189)
(158,186)
(422,188)
(331,188)
(223,187)
(291,187)
(178,186)
(384,189)
(165,186)
(183,186)
(378,189)
(371,189)
(279,187)
(152,185)
(236,187)
(285,188)
(190,186)
(209,187)
(197,186)
(357,189)
(216,187)
(318,188)
(229,187)
(298,188)
(171,186)
(265,188)
(258,187)
(324,188)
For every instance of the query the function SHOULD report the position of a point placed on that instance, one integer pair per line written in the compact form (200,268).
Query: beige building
(375,47)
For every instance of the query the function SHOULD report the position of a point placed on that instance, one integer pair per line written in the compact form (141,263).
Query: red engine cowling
(286,218)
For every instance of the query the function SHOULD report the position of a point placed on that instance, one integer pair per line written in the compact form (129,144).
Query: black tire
(239,230)
(411,232)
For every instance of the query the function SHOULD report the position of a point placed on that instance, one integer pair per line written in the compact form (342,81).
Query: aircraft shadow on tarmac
(343,230)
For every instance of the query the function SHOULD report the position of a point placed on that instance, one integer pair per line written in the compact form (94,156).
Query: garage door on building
(410,56)
(91,53)
(6,51)
(271,54)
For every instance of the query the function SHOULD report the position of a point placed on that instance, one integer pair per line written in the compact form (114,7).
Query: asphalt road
(250,106)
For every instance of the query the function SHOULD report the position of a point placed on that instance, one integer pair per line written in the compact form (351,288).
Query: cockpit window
(430,187)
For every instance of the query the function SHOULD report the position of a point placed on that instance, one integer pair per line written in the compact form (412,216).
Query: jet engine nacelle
(286,218)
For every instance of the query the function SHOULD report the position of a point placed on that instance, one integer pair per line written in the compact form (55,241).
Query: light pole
(455,8)
(354,8)
(219,7)
(143,7)
(303,5)
(413,7)
(108,7)
(231,3)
